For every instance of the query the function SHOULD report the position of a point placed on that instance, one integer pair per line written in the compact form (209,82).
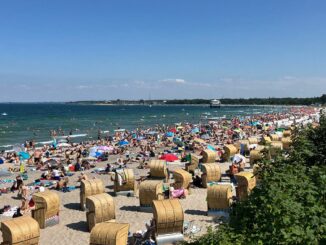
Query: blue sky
(66,50)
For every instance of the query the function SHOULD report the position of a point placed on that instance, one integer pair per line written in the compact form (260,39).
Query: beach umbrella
(151,132)
(99,153)
(92,151)
(169,134)
(195,131)
(173,130)
(24,155)
(104,148)
(169,157)
(123,143)
(17,148)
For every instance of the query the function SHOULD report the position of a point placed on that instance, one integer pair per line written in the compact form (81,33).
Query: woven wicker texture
(274,137)
(246,182)
(130,181)
(100,208)
(193,164)
(47,205)
(168,216)
(260,147)
(255,155)
(255,170)
(23,230)
(229,151)
(109,233)
(211,172)
(150,190)
(253,140)
(209,156)
(266,140)
(219,196)
(158,169)
(182,179)
(245,143)
(275,146)
(286,133)
(89,188)
(286,142)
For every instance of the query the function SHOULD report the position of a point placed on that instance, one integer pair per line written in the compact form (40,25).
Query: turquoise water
(34,121)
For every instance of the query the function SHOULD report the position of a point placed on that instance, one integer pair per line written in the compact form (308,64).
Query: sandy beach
(135,154)
(72,228)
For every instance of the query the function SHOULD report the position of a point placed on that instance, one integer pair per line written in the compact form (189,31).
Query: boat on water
(215,103)
(4,114)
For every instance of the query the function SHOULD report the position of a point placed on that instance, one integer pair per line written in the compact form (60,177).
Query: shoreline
(92,137)
(200,105)
(136,155)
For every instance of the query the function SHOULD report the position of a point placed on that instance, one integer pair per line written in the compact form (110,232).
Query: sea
(34,121)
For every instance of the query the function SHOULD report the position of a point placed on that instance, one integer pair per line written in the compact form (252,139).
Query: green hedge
(289,204)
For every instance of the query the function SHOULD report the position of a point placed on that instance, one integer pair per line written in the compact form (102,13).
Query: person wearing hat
(240,161)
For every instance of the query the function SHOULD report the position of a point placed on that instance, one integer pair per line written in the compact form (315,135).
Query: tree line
(257,101)
(251,101)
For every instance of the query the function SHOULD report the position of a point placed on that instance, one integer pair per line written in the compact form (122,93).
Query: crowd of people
(139,146)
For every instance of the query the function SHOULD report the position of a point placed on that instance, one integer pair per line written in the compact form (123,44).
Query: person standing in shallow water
(99,134)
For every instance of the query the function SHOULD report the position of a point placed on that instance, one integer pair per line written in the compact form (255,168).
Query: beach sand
(72,228)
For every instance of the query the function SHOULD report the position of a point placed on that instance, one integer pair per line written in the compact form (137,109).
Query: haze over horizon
(100,50)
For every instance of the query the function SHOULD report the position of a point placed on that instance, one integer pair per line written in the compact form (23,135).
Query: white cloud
(83,87)
(45,89)
(173,80)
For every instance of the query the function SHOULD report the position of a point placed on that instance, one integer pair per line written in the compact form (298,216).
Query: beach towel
(10,212)
(177,193)
(4,173)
